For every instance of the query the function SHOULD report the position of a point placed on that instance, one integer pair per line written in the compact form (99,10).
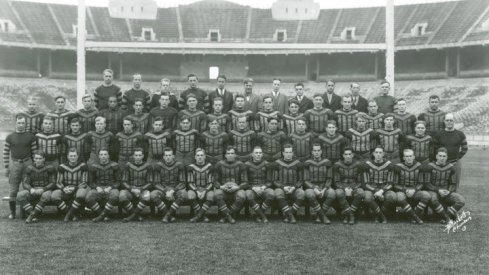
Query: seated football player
(200,186)
(243,139)
(318,116)
(346,115)
(137,179)
(262,117)
(373,117)
(169,186)
(140,118)
(332,142)
(271,140)
(288,179)
(238,111)
(185,140)
(197,117)
(230,181)
(126,142)
(301,140)
(391,139)
(290,119)
(407,184)
(76,139)
(39,181)
(157,140)
(222,118)
(260,194)
(362,139)
(214,141)
(348,185)
(421,143)
(103,180)
(318,179)
(98,139)
(442,187)
(404,120)
(378,179)
(71,185)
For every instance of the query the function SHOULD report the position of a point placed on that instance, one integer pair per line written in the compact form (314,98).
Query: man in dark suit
(359,102)
(280,101)
(332,101)
(252,102)
(304,102)
(222,92)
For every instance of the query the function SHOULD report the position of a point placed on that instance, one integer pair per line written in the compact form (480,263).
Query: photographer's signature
(459,224)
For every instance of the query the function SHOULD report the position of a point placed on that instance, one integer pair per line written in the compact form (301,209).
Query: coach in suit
(359,102)
(222,92)
(280,101)
(304,102)
(252,102)
(332,101)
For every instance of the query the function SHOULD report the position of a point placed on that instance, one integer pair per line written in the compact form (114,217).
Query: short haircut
(100,118)
(402,99)
(384,81)
(347,149)
(316,144)
(388,115)
(108,71)
(230,147)
(190,96)
(257,147)
(222,76)
(191,75)
(272,118)
(353,83)
(331,80)
(158,118)
(317,95)
(128,119)
(299,84)
(48,118)
(139,100)
(248,80)
(360,115)
(39,153)
(167,149)
(58,97)
(267,97)
(165,80)
(407,150)
(287,146)
(293,101)
(276,78)
(136,74)
(442,150)
(379,147)
(419,122)
(102,149)
(75,120)
(302,119)
(217,98)
(199,150)
(183,118)
(138,149)
(164,94)
(72,150)
(86,96)
(434,97)
(332,122)
(239,96)
(20,116)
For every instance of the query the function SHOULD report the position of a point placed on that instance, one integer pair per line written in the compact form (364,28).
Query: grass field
(149,247)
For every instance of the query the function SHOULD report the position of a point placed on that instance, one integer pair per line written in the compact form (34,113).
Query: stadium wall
(442,63)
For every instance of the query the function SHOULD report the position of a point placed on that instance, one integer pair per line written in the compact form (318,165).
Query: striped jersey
(347,175)
(185,141)
(390,140)
(271,143)
(441,177)
(169,175)
(377,176)
(33,121)
(259,173)
(87,119)
(435,120)
(405,122)
(234,114)
(261,120)
(169,116)
(50,144)
(361,141)
(288,173)
(374,122)
(332,146)
(225,171)
(318,173)
(79,142)
(317,119)
(408,177)
(214,144)
(223,119)
(302,144)
(126,143)
(98,141)
(200,176)
(422,146)
(43,176)
(61,120)
(76,175)
(140,122)
(137,175)
(114,118)
(290,122)
(104,175)
(155,143)
(345,119)
(198,119)
(243,141)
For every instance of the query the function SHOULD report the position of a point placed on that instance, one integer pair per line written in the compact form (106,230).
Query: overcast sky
(259,3)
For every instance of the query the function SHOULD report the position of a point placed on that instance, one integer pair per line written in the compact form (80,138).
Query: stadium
(441,48)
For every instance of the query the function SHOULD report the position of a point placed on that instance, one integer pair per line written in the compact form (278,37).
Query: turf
(149,247)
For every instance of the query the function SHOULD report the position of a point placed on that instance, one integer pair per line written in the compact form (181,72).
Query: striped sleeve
(6,153)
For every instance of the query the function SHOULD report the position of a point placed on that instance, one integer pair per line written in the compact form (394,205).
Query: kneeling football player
(348,183)
(408,183)
(230,180)
(260,195)
(39,180)
(200,186)
(71,185)
(442,187)
(318,178)
(137,180)
(104,181)
(288,179)
(169,185)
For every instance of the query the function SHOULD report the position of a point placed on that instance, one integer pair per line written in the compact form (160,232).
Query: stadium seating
(39,21)
(164,27)
(359,18)
(199,18)
(263,26)
(110,29)
(318,31)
